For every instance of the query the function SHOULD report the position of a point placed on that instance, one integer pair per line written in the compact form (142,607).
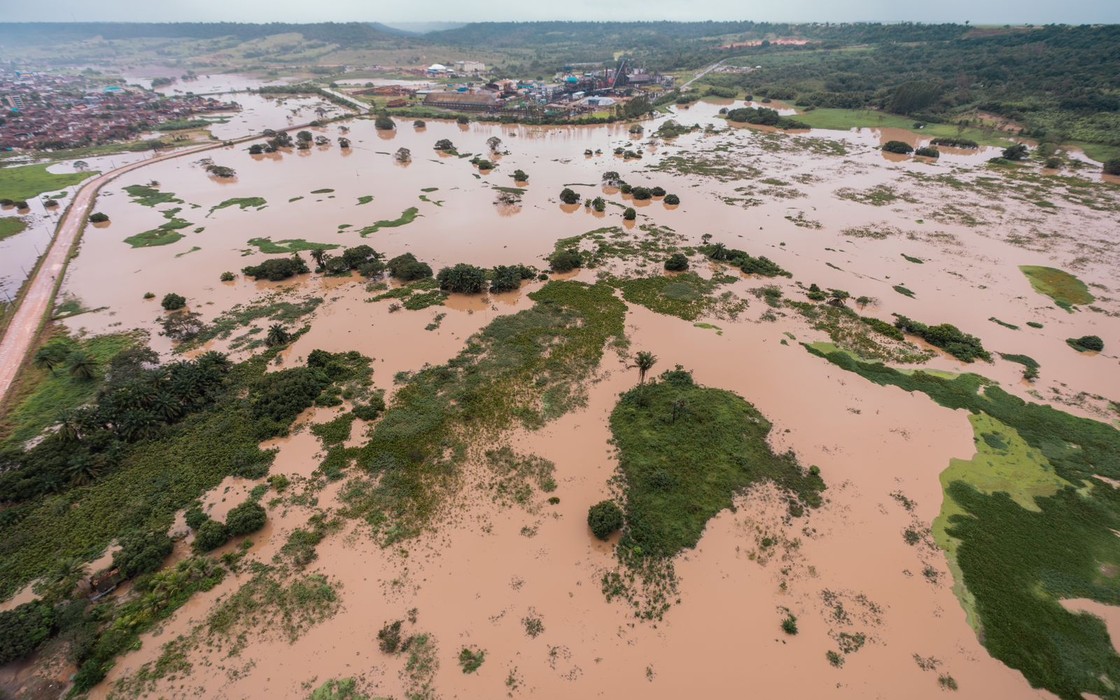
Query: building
(436,69)
(473,67)
(461,101)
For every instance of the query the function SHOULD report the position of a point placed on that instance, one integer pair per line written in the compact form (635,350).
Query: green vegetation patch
(149,196)
(273,308)
(340,689)
(684,452)
(166,234)
(42,393)
(1027,524)
(407,217)
(365,199)
(325,190)
(1066,290)
(242,203)
(288,245)
(687,296)
(29,181)
(525,369)
(10,226)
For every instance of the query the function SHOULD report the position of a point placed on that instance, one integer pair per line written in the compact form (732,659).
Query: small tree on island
(645,360)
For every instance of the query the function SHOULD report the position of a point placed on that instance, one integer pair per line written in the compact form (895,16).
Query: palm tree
(646,360)
(81,365)
(69,426)
(277,335)
(46,358)
(318,254)
(718,252)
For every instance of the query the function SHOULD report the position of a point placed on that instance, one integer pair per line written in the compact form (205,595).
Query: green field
(845,119)
(288,245)
(30,181)
(10,226)
(1066,290)
(407,217)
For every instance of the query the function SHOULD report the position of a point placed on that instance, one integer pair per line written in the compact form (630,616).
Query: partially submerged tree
(645,360)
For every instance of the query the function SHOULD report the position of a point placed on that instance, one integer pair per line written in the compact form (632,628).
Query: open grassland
(10,226)
(1066,290)
(30,181)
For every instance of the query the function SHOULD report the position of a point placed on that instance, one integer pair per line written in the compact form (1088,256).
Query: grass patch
(1027,524)
(150,196)
(526,369)
(1066,290)
(288,245)
(903,291)
(265,602)
(325,190)
(1011,326)
(407,217)
(365,199)
(241,203)
(846,119)
(911,258)
(10,226)
(687,296)
(166,234)
(40,395)
(29,181)
(272,308)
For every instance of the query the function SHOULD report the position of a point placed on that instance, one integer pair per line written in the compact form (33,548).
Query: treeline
(1059,81)
(342,33)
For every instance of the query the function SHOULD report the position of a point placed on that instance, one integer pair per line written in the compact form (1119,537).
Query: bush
(23,629)
(384,122)
(99,218)
(605,518)
(1016,151)
(630,214)
(277,269)
(209,536)
(641,193)
(419,124)
(898,147)
(677,262)
(672,199)
(506,278)
(462,278)
(371,410)
(569,196)
(463,119)
(789,625)
(389,637)
(1112,167)
(407,268)
(245,518)
(484,164)
(173,302)
(445,145)
(948,337)
(195,518)
(141,553)
(1087,343)
(625,188)
(928,152)
(954,142)
(657,191)
(226,277)
(565,260)
(520,175)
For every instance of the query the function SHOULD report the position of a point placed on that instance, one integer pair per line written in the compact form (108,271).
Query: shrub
(445,145)
(657,191)
(23,629)
(463,119)
(389,637)
(245,518)
(195,518)
(505,278)
(605,518)
(371,410)
(141,553)
(677,262)
(209,536)
(625,188)
(569,196)
(599,204)
(384,122)
(1112,167)
(630,214)
(1016,151)
(565,260)
(520,175)
(484,164)
(641,193)
(98,217)
(277,269)
(407,268)
(173,302)
(419,124)
(470,661)
(954,142)
(898,147)
(672,199)
(1087,343)
(227,277)
(462,278)
(928,152)
(789,625)
(948,337)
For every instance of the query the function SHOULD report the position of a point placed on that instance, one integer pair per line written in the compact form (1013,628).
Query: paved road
(35,304)
(701,74)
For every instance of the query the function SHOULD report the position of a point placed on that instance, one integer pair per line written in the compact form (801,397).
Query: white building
(469,67)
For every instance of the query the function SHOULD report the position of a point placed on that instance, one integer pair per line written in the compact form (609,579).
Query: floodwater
(484,568)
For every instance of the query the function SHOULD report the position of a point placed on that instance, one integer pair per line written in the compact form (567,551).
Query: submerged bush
(462,278)
(677,262)
(565,260)
(1087,343)
(605,518)
(173,302)
(898,147)
(245,518)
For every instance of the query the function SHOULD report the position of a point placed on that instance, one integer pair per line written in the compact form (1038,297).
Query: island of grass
(685,451)
(288,245)
(166,234)
(29,181)
(1066,290)
(687,296)
(241,202)
(1026,524)
(407,217)
(10,226)
(149,195)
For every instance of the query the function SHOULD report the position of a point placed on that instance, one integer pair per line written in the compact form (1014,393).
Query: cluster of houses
(49,111)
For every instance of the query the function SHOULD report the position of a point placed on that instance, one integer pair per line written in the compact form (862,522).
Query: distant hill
(411,28)
(346,34)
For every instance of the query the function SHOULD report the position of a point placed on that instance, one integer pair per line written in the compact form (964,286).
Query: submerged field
(796,496)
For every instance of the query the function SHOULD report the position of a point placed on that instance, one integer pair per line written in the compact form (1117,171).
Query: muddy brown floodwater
(824,205)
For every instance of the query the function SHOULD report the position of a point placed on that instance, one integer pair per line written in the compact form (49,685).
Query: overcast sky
(975,11)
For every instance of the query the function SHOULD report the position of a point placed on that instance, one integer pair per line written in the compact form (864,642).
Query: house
(469,67)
